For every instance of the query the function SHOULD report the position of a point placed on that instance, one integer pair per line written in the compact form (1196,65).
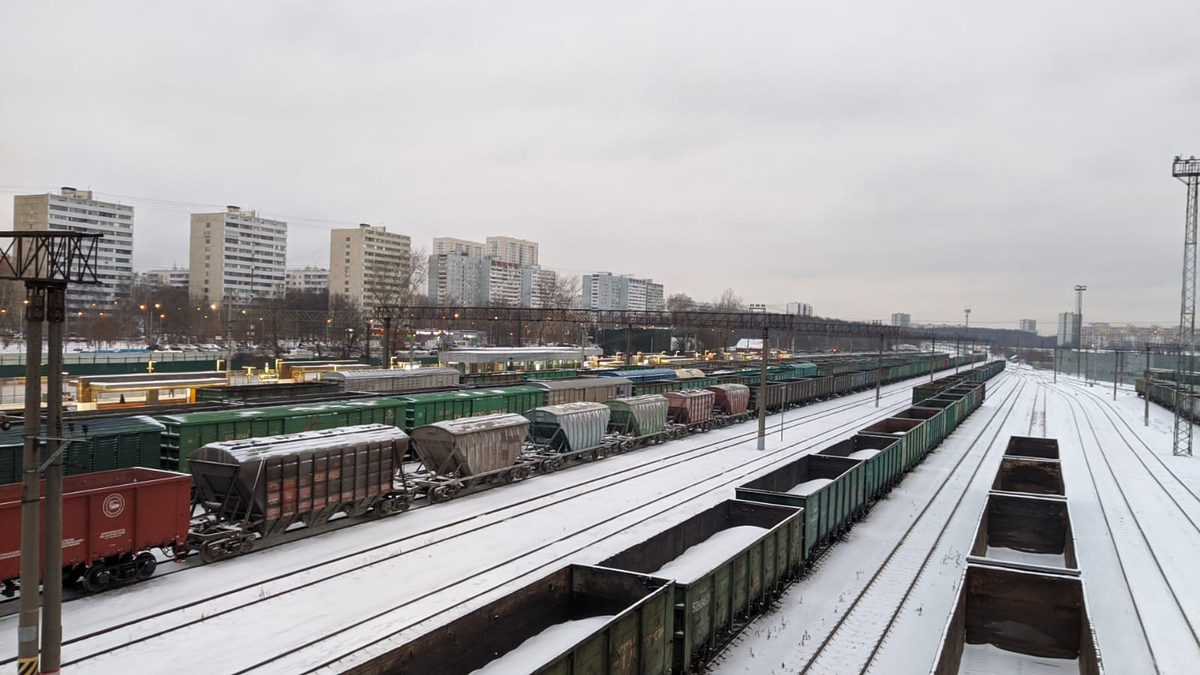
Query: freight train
(256,486)
(666,604)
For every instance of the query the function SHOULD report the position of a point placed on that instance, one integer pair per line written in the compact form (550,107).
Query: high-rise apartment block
(605,290)
(502,271)
(369,267)
(901,319)
(1029,325)
(76,211)
(512,250)
(538,287)
(237,257)
(1068,329)
(470,249)
(174,278)
(307,280)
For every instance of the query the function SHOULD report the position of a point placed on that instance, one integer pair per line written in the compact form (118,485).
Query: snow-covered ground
(1134,511)
(342,597)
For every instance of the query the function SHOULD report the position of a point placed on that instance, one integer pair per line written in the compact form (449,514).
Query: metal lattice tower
(1188,172)
(1077,320)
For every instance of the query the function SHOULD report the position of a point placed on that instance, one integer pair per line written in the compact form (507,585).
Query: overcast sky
(865,157)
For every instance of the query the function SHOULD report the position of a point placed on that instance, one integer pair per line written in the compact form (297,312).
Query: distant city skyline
(936,167)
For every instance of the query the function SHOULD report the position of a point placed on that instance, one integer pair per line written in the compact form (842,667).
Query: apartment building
(605,290)
(174,278)
(447,245)
(512,250)
(77,211)
(307,280)
(369,267)
(236,256)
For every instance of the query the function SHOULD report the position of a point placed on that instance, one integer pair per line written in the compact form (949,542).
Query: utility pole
(629,346)
(967,329)
(52,542)
(879,371)
(31,488)
(1146,388)
(1056,365)
(1188,172)
(47,262)
(1116,372)
(1077,326)
(762,392)
(932,357)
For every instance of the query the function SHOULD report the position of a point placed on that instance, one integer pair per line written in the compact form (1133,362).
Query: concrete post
(31,487)
(762,393)
(52,569)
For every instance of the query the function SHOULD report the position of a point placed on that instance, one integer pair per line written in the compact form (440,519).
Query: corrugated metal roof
(275,412)
(471,393)
(580,383)
(470,425)
(252,449)
(386,372)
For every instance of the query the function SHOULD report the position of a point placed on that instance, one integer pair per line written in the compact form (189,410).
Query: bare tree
(729,301)
(679,302)
(397,290)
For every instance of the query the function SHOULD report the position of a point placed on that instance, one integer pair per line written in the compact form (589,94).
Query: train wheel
(97,578)
(144,566)
(211,552)
(437,495)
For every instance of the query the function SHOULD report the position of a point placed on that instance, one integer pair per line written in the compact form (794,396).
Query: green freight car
(102,445)
(421,409)
(187,432)
(253,392)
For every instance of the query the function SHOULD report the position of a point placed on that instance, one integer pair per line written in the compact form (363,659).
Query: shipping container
(569,427)
(112,520)
(97,445)
(1013,621)
(1031,476)
(590,621)
(1028,446)
(263,486)
(831,490)
(881,458)
(727,562)
(394,380)
(421,409)
(638,416)
(594,389)
(185,433)
(1026,532)
(691,407)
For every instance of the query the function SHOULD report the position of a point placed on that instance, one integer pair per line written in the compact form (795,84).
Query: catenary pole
(762,393)
(31,488)
(52,589)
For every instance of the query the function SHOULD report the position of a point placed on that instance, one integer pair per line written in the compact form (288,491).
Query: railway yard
(448,587)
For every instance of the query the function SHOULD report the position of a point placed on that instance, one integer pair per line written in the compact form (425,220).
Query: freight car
(256,488)
(690,410)
(394,380)
(578,620)
(650,375)
(638,419)
(460,454)
(594,389)
(832,491)
(731,403)
(558,433)
(254,392)
(1015,621)
(100,445)
(184,434)
(112,520)
(417,410)
(728,563)
(1025,532)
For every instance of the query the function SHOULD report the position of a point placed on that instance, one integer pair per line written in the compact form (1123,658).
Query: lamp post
(967,328)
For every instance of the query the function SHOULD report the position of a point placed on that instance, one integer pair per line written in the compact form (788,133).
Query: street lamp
(967,328)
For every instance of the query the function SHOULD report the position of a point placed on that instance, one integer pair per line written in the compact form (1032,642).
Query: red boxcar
(691,406)
(732,399)
(111,521)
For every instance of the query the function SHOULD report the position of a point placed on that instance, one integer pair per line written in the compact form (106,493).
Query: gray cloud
(866,158)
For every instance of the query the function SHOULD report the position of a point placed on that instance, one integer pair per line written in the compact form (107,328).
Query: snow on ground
(410,573)
(1118,473)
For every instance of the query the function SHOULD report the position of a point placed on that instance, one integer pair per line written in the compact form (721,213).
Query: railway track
(179,617)
(855,638)
(8,606)
(1173,643)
